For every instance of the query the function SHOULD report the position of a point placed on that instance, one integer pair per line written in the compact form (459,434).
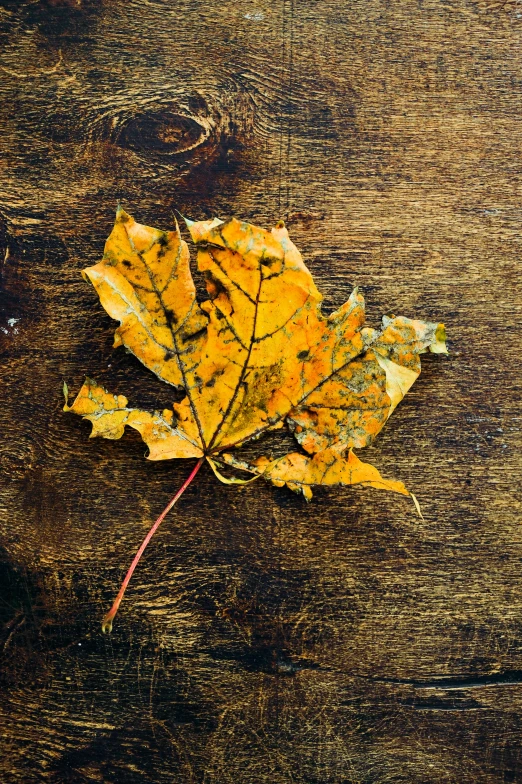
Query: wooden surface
(264,640)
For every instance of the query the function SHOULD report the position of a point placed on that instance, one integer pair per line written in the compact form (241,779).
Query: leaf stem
(107,621)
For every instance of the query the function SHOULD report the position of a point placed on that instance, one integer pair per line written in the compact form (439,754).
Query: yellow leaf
(257,354)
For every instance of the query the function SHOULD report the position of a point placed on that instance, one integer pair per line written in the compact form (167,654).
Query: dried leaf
(257,354)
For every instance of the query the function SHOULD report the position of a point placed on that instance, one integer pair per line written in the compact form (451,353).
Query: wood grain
(264,640)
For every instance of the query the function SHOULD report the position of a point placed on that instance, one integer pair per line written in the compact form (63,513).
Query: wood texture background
(264,640)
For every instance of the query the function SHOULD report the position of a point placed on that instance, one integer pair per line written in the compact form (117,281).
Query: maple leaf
(257,354)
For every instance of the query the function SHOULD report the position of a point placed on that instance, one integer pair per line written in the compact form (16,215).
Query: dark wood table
(264,640)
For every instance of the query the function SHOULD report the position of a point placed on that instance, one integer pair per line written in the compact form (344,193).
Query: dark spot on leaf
(171,317)
(269,260)
(193,335)
(303,354)
(214,286)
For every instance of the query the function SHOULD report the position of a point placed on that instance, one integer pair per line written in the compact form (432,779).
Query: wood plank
(263,639)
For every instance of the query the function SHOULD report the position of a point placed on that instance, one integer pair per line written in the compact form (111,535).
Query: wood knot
(165,132)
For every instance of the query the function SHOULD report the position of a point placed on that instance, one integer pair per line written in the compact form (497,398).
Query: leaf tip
(307,492)
(439,344)
(188,222)
(417,506)
(121,215)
